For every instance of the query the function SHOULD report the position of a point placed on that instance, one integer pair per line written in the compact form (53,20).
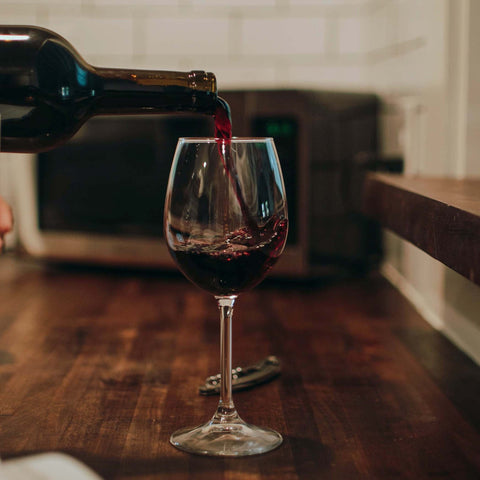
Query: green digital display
(283,128)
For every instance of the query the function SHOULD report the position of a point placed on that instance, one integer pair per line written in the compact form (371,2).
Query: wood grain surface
(105,366)
(439,215)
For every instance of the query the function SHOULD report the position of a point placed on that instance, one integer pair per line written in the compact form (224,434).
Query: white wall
(245,42)
(413,53)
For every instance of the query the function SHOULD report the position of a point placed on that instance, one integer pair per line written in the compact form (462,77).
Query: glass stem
(226,411)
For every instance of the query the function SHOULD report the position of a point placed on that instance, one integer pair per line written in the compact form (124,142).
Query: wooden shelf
(439,215)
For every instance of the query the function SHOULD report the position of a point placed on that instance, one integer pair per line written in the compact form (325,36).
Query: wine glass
(226,224)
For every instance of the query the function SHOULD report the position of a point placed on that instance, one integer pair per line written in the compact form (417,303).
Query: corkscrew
(245,377)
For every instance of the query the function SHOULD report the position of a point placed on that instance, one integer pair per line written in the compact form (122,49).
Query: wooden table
(105,365)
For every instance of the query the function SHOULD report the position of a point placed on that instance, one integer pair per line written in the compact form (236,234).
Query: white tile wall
(234,3)
(351,36)
(389,46)
(95,36)
(18,15)
(36,3)
(137,3)
(185,35)
(380,28)
(350,43)
(330,77)
(245,76)
(267,43)
(283,36)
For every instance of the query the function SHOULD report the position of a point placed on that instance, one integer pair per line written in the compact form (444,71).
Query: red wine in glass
(236,265)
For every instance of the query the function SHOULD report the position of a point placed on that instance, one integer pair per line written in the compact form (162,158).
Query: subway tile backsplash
(282,37)
(392,47)
(185,35)
(284,43)
(95,36)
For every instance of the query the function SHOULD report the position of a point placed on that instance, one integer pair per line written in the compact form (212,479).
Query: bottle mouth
(203,81)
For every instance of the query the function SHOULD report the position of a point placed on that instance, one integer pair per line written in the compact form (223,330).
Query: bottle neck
(150,91)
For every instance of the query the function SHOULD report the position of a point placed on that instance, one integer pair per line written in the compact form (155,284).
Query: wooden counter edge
(441,216)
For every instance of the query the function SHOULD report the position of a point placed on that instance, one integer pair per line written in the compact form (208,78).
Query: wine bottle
(47,91)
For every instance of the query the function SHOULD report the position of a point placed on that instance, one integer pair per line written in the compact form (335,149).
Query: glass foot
(234,438)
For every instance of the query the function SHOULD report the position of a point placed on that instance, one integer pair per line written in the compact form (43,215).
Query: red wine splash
(223,135)
(223,120)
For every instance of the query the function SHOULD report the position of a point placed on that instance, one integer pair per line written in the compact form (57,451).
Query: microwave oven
(99,198)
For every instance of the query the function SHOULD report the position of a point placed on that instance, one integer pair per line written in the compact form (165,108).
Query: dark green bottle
(47,91)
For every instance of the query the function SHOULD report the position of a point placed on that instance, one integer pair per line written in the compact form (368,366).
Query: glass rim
(230,140)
